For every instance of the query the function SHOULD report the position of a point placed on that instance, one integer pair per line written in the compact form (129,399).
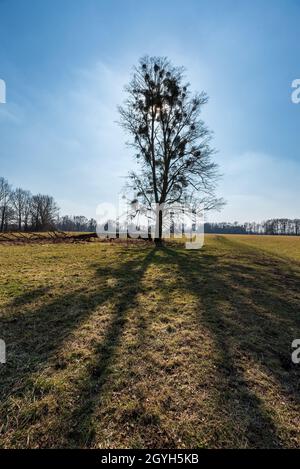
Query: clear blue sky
(65,64)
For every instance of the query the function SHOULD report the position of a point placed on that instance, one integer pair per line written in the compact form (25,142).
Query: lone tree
(171,141)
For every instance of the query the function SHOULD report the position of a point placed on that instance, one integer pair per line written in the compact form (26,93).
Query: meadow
(116,346)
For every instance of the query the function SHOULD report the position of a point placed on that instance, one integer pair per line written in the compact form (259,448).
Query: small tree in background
(44,212)
(5,203)
(21,204)
(171,142)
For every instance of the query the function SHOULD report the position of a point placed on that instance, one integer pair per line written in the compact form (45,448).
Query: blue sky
(65,64)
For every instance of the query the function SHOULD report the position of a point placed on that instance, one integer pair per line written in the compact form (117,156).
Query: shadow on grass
(246,306)
(34,336)
(90,389)
(248,302)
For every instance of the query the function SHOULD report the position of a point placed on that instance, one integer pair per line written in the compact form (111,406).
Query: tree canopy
(170,140)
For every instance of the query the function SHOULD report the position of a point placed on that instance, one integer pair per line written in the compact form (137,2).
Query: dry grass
(115,346)
(281,246)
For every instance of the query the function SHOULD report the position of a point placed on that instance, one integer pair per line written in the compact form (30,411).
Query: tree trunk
(2,219)
(158,229)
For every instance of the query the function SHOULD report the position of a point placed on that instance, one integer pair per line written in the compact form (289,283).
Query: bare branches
(171,140)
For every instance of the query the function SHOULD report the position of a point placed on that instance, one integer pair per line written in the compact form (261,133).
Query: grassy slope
(281,246)
(109,346)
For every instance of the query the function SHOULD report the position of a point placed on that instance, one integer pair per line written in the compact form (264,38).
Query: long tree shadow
(33,337)
(81,431)
(249,302)
(244,303)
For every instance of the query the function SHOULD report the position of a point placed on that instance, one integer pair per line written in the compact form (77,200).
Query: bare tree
(171,142)
(20,203)
(27,211)
(5,199)
(44,212)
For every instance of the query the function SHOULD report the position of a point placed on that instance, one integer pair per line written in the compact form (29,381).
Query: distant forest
(22,211)
(273,226)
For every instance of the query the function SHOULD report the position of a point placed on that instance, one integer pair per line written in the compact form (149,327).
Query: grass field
(112,346)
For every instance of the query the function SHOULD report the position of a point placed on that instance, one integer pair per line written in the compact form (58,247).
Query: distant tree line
(76,223)
(273,226)
(22,211)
